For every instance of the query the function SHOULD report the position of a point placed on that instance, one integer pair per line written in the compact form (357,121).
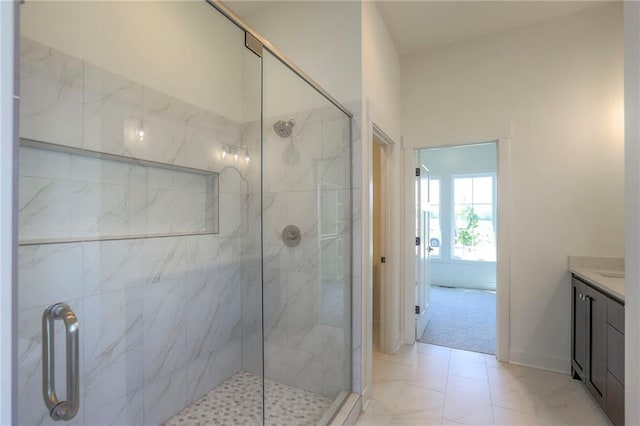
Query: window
(473,206)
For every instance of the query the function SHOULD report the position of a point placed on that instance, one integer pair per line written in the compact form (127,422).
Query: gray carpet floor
(462,319)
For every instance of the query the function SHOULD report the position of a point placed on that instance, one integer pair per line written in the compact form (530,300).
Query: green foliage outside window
(468,235)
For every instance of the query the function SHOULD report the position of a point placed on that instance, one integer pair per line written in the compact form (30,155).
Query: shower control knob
(291,235)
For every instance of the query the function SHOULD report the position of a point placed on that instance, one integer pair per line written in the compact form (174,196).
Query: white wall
(556,89)
(320,37)
(7,245)
(381,107)
(444,164)
(184,49)
(380,72)
(632,182)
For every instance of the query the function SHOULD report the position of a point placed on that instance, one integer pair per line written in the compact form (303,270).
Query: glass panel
(134,108)
(307,287)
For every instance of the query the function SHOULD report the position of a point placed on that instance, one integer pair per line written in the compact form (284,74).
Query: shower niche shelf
(69,194)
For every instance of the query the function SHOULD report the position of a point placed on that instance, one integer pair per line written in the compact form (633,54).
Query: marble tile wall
(306,290)
(160,318)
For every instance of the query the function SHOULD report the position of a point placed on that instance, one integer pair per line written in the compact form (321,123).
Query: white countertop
(605,280)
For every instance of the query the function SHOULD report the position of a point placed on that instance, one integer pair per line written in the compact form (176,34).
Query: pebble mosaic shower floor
(238,401)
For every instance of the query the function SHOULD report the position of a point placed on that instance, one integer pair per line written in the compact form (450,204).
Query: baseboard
(543,362)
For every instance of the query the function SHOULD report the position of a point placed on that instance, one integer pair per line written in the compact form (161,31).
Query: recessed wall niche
(71,194)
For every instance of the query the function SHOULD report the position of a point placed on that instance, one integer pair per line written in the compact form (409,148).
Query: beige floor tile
(467,401)
(429,377)
(385,371)
(406,355)
(436,350)
(458,354)
(476,370)
(507,417)
(432,385)
(387,392)
(417,399)
(419,418)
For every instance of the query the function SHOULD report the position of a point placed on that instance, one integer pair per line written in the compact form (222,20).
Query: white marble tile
(111,265)
(208,371)
(274,305)
(165,396)
(191,182)
(99,209)
(335,377)
(50,95)
(203,146)
(44,208)
(126,410)
(95,170)
(230,214)
(112,113)
(274,160)
(164,338)
(163,259)
(302,308)
(303,152)
(113,327)
(44,163)
(49,274)
(164,121)
(335,133)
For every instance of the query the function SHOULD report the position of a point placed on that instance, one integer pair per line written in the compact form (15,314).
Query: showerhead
(284,128)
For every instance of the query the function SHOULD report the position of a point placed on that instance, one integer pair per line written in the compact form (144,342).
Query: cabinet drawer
(615,314)
(615,353)
(615,401)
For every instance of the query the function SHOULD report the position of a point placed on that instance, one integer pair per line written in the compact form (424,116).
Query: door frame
(390,301)
(503,255)
(8,210)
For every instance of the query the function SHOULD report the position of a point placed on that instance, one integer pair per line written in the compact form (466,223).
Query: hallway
(432,385)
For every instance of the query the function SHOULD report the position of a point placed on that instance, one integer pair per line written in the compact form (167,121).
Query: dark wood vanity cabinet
(597,346)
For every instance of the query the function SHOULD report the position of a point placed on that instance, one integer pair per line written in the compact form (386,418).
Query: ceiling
(418,25)
(421,25)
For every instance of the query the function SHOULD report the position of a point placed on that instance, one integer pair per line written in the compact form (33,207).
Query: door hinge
(417,310)
(383,259)
(417,241)
(418,171)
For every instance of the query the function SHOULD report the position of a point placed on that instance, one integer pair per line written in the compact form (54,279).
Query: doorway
(380,216)
(456,247)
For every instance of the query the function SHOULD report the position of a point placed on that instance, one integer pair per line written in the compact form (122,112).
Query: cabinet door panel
(615,401)
(597,343)
(615,353)
(579,327)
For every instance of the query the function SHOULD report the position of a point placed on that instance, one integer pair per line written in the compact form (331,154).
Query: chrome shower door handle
(60,410)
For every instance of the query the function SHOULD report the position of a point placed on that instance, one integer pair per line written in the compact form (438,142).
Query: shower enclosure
(185,222)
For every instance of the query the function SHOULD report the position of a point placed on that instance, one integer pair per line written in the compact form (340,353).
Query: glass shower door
(306,197)
(139,146)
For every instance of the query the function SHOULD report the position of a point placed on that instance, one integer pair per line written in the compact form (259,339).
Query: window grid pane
(474,233)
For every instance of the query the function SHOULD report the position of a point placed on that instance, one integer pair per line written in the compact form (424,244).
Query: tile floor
(434,385)
(238,401)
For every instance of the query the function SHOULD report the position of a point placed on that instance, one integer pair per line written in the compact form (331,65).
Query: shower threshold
(238,401)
